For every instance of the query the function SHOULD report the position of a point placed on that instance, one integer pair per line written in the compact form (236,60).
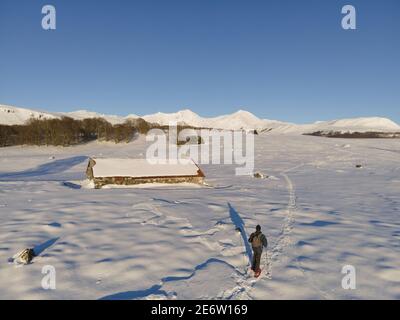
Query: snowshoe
(257,273)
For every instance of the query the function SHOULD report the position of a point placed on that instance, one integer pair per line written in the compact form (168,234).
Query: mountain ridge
(239,120)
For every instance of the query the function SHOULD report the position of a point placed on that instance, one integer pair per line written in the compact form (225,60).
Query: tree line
(356,135)
(67,131)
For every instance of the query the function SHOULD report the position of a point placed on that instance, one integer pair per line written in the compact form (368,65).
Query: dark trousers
(257,252)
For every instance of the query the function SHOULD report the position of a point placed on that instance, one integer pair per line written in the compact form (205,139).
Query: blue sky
(283,59)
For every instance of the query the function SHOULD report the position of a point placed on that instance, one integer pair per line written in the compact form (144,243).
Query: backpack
(257,241)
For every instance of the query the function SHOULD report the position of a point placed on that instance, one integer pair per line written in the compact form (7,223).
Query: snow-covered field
(318,210)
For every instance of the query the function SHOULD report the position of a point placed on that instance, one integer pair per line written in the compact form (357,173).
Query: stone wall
(99,182)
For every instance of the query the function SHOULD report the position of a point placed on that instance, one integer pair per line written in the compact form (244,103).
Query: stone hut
(139,171)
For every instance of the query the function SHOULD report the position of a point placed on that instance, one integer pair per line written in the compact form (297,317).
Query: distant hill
(241,119)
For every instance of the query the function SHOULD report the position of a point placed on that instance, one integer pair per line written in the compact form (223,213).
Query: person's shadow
(43,246)
(239,223)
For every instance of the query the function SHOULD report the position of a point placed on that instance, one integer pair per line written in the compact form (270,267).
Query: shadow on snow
(239,223)
(157,289)
(47,169)
(44,246)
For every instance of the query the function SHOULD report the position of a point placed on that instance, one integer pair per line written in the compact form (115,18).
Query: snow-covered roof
(141,168)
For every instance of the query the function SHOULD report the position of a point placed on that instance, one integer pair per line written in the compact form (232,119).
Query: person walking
(258,242)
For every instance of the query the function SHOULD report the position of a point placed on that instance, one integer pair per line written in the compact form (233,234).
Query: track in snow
(284,239)
(245,285)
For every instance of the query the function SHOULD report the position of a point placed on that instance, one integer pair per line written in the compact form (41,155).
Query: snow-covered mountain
(239,120)
(369,124)
(12,115)
(84,114)
(244,120)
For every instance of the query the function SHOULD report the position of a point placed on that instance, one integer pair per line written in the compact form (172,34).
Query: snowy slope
(12,115)
(345,125)
(243,120)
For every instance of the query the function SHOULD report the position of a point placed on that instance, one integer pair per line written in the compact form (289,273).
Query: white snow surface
(123,167)
(318,211)
(241,120)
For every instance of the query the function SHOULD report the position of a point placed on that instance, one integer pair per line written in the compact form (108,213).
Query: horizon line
(240,109)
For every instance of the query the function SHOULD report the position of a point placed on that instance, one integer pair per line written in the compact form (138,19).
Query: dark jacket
(263,238)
